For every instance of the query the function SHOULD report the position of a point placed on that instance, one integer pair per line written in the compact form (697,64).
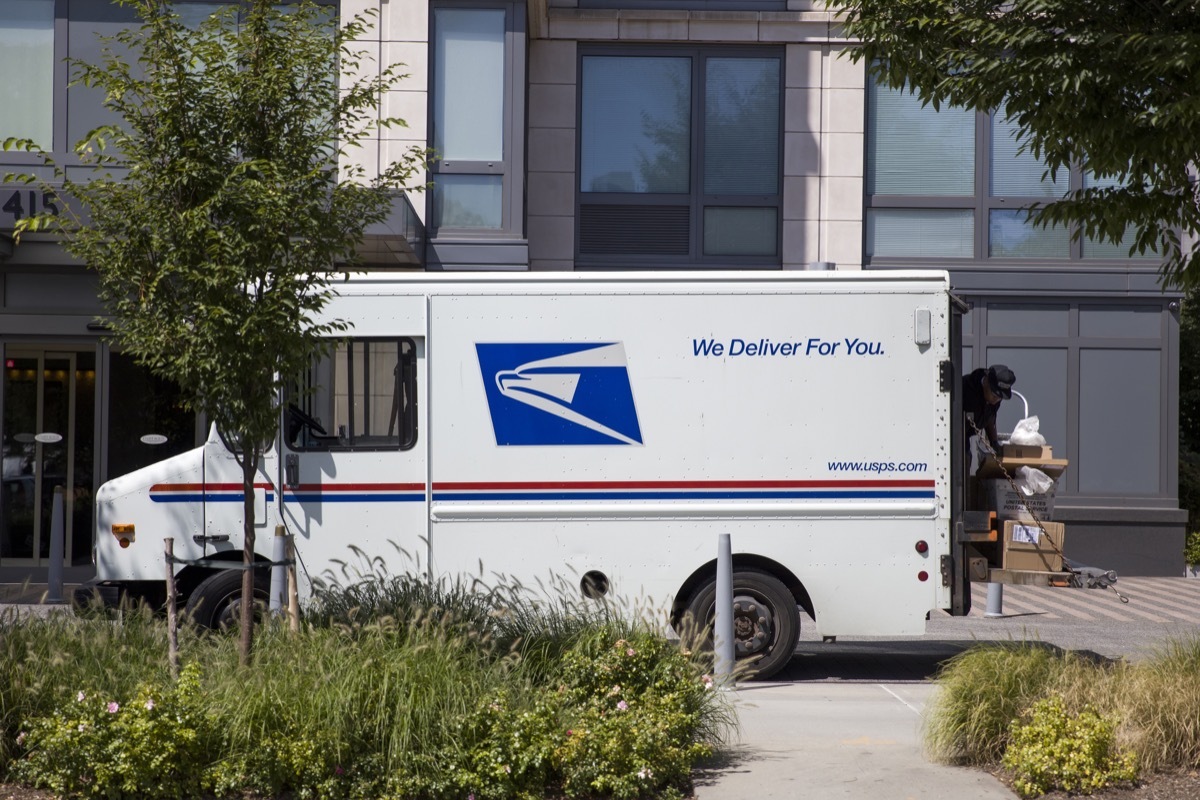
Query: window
(679,157)
(953,184)
(472,115)
(27,64)
(361,396)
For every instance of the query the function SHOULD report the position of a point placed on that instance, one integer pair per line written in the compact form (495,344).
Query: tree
(217,216)
(1111,85)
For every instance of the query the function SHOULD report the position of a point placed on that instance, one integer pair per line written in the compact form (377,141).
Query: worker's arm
(993,437)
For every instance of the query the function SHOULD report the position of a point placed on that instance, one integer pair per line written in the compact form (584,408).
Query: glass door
(48,440)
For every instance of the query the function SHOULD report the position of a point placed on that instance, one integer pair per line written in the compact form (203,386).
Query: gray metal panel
(1124,325)
(495,254)
(52,291)
(1042,378)
(1133,541)
(1121,428)
(1025,320)
(1120,321)
(1032,283)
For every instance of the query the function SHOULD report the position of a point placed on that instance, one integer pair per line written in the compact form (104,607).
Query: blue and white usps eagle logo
(559,394)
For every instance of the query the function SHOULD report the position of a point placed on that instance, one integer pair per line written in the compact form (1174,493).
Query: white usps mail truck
(604,428)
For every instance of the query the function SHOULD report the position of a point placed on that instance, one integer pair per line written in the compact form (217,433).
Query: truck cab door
(223,498)
(354,476)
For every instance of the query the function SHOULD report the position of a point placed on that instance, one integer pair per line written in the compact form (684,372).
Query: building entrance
(48,434)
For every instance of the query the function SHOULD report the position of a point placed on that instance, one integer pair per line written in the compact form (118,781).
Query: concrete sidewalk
(829,740)
(844,719)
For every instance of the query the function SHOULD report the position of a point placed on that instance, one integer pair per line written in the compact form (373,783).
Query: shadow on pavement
(883,661)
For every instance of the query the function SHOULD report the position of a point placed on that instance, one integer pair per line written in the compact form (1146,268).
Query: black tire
(216,603)
(766,623)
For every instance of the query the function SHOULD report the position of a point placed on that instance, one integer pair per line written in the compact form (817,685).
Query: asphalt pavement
(844,719)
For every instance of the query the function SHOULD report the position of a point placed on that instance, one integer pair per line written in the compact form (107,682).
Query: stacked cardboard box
(1029,540)
(1008,503)
(1027,546)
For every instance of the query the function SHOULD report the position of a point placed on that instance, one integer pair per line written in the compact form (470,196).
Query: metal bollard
(278,572)
(723,650)
(995,601)
(54,575)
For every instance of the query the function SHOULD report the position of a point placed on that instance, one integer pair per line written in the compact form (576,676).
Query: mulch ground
(1163,786)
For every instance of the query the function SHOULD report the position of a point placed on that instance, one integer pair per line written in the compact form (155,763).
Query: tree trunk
(249,460)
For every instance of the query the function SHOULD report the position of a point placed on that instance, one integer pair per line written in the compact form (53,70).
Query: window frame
(406,386)
(981,204)
(695,199)
(511,165)
(58,103)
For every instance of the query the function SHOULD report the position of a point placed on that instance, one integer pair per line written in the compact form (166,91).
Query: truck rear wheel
(216,603)
(766,623)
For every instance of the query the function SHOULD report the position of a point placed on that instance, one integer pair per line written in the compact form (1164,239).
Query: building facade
(646,134)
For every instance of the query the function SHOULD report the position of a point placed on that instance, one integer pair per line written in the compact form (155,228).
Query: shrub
(437,702)
(151,745)
(1053,749)
(1160,707)
(1191,548)
(640,716)
(505,749)
(47,659)
(982,690)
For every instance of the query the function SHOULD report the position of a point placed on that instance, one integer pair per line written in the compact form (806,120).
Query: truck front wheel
(766,623)
(216,603)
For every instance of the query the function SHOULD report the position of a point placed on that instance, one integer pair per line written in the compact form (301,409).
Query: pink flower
(113,708)
(621,706)
(79,698)
(630,652)
(338,770)
(21,738)
(150,704)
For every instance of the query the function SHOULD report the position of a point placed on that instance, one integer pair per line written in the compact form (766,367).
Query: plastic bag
(1026,432)
(977,453)
(1031,481)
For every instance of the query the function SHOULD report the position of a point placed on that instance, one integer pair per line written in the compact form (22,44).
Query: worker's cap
(1000,380)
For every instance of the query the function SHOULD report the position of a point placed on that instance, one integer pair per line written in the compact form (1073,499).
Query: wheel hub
(753,626)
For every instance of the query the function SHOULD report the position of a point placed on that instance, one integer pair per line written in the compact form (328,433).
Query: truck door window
(360,396)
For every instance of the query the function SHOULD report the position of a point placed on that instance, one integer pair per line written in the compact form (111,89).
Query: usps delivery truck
(602,430)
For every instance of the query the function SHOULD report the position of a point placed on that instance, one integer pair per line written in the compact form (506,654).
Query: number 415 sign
(22,203)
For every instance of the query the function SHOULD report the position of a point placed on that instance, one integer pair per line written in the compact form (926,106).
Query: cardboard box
(1026,547)
(1025,451)
(999,496)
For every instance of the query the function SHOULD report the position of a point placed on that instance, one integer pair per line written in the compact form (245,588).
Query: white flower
(79,698)
(150,704)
